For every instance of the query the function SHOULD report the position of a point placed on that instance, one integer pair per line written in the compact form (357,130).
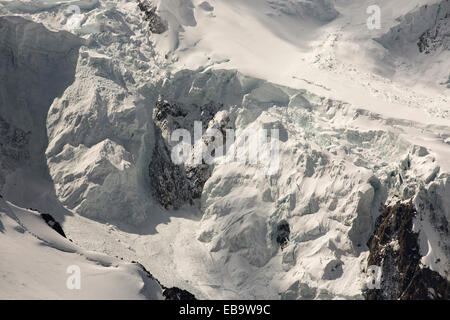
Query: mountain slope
(36,264)
(355,136)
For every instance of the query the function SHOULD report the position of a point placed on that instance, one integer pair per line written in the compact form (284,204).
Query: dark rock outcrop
(283,232)
(173,293)
(177,294)
(13,147)
(173,184)
(53,224)
(394,247)
(436,37)
(156,23)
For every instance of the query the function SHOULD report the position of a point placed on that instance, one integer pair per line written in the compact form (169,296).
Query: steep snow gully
(91,97)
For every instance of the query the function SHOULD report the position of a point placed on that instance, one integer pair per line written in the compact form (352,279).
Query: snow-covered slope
(356,134)
(38,263)
(421,43)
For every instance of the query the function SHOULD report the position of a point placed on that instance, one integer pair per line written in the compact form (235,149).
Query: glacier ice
(90,113)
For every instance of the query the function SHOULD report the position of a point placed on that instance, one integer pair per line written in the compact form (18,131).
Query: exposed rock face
(13,147)
(173,293)
(395,247)
(53,224)
(156,23)
(438,36)
(176,184)
(177,294)
(283,232)
(421,40)
(426,27)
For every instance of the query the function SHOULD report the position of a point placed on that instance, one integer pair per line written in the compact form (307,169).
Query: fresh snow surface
(36,260)
(366,117)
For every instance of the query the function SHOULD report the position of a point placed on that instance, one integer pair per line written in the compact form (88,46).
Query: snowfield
(364,122)
(36,264)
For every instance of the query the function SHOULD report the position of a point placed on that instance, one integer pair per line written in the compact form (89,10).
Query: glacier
(87,114)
